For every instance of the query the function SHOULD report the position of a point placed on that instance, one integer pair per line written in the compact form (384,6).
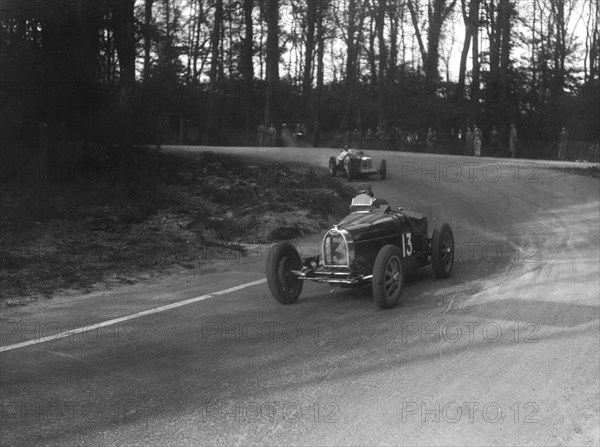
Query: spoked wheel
(442,251)
(283,283)
(388,276)
(332,166)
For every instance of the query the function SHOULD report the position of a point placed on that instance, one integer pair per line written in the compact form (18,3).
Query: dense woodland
(80,73)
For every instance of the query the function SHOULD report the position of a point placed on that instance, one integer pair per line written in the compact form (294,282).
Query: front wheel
(442,251)
(283,283)
(388,276)
(383,169)
(332,166)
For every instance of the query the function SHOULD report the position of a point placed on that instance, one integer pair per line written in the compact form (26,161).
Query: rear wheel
(442,251)
(284,285)
(383,169)
(388,276)
(332,166)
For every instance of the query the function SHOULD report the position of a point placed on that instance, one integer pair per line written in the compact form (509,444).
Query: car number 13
(407,246)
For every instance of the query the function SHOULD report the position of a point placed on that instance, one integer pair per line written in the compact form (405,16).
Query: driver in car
(343,154)
(367,190)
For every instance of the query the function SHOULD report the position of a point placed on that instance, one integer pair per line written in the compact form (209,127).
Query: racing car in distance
(372,245)
(355,163)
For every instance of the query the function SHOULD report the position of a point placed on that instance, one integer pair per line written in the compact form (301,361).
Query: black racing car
(373,244)
(354,163)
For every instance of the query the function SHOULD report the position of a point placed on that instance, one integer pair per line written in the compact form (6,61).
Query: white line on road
(130,317)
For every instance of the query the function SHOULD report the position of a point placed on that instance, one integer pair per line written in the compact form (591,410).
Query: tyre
(332,166)
(388,276)
(383,169)
(284,285)
(442,251)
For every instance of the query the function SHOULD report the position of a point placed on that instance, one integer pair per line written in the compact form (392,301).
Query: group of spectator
(472,141)
(469,142)
(393,138)
(268,136)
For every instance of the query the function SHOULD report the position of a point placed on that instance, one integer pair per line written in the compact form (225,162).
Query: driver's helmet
(366,191)
(364,188)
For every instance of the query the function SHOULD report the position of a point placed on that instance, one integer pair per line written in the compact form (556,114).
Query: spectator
(369,139)
(355,138)
(286,135)
(563,137)
(271,135)
(469,141)
(494,140)
(429,140)
(513,140)
(261,134)
(477,136)
(436,146)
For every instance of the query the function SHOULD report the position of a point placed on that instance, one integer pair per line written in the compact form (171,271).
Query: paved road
(504,352)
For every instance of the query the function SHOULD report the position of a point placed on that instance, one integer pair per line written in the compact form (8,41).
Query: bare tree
(437,13)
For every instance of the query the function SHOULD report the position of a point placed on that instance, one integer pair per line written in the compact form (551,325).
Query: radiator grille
(335,249)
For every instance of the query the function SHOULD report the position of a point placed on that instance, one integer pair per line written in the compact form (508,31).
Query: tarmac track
(504,352)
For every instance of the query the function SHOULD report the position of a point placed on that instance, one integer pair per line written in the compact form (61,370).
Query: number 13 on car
(407,247)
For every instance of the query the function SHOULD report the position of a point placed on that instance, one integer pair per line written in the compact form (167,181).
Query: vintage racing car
(354,163)
(372,245)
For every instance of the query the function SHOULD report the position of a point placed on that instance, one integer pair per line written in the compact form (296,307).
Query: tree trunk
(215,41)
(125,46)
(215,63)
(354,37)
(371,53)
(505,26)
(393,59)
(462,71)
(494,19)
(560,52)
(382,68)
(272,68)
(147,36)
(308,54)
(320,71)
(476,62)
(247,64)
(432,73)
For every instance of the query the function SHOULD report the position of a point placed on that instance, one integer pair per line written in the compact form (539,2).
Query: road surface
(504,352)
